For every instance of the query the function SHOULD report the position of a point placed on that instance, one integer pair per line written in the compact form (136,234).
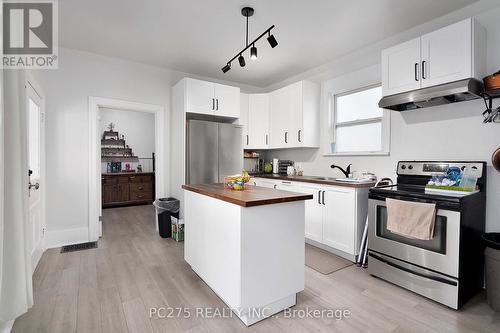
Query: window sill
(360,153)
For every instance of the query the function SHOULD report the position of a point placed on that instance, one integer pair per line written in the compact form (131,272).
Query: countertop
(250,197)
(126,173)
(315,180)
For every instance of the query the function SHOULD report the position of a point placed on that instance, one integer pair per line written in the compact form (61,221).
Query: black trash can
(492,269)
(165,209)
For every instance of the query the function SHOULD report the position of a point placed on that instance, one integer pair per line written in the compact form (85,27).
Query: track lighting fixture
(226,68)
(241,60)
(253,53)
(272,41)
(247,12)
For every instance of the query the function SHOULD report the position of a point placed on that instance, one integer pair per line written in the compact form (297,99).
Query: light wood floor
(112,288)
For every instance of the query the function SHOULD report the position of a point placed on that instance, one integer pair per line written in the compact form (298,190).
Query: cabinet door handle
(416,71)
(267,139)
(286,137)
(423,70)
(248,139)
(274,186)
(213,103)
(298,134)
(283,182)
(323,197)
(319,197)
(217,104)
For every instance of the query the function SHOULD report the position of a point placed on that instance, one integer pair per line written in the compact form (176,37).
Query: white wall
(138,129)
(67,90)
(452,132)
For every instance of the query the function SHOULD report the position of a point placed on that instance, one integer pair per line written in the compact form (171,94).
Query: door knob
(35,186)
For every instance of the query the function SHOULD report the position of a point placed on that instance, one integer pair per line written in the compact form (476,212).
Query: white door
(314,212)
(295,113)
(447,54)
(227,101)
(279,119)
(401,68)
(259,121)
(200,97)
(36,153)
(338,222)
(244,119)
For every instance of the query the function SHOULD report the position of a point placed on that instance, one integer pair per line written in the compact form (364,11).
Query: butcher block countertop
(315,180)
(250,197)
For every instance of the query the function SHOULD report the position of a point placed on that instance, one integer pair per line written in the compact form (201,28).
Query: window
(358,122)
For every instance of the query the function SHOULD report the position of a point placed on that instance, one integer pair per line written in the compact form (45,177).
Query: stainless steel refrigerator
(214,150)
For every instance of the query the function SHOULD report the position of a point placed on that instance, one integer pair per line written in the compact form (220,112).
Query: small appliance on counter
(276,165)
(448,267)
(283,167)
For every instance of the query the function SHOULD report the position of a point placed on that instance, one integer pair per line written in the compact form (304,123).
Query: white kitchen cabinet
(199,96)
(294,116)
(258,131)
(210,98)
(452,53)
(263,182)
(227,101)
(285,185)
(244,119)
(339,220)
(314,211)
(334,218)
(398,63)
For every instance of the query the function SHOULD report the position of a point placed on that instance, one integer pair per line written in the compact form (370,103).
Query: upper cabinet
(294,116)
(244,121)
(211,98)
(258,132)
(452,53)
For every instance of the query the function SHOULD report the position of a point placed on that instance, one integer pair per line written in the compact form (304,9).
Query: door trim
(162,147)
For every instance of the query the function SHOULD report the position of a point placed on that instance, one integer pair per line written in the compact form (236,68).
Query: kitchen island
(248,246)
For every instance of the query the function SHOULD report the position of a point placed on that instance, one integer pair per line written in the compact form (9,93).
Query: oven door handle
(427,276)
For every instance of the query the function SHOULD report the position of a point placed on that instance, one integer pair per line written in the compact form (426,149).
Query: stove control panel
(431,168)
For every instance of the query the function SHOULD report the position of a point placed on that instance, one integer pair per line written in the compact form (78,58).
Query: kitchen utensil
(495,159)
(492,82)
(275,165)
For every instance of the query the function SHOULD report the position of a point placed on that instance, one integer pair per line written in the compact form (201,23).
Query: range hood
(458,91)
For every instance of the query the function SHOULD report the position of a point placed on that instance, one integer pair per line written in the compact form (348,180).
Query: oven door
(440,254)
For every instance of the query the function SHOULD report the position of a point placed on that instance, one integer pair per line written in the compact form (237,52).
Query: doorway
(35,115)
(96,162)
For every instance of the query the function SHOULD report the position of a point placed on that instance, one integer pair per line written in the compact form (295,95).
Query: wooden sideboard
(121,189)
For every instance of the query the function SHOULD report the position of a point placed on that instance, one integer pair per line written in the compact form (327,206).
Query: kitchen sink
(324,178)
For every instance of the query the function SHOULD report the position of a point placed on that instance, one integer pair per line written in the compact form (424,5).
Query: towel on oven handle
(411,219)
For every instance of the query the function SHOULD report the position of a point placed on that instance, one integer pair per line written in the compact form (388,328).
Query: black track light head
(272,41)
(253,53)
(241,60)
(226,68)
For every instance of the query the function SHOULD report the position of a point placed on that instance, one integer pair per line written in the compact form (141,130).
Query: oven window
(436,244)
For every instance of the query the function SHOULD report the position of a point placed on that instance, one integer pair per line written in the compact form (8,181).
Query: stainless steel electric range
(449,267)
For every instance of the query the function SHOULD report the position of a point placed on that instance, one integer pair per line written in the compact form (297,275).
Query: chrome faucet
(346,172)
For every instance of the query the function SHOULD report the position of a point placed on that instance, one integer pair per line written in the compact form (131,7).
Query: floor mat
(323,261)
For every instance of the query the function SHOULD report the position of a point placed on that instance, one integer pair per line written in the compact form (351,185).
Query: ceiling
(199,37)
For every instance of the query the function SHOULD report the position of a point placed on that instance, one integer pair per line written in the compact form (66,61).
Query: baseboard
(327,248)
(58,238)
(6,327)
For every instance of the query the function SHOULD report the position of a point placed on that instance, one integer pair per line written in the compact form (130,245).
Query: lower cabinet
(339,220)
(335,217)
(123,189)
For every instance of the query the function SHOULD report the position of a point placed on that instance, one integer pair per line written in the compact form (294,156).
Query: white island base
(251,257)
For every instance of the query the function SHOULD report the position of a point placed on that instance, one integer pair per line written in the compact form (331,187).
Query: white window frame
(385,121)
